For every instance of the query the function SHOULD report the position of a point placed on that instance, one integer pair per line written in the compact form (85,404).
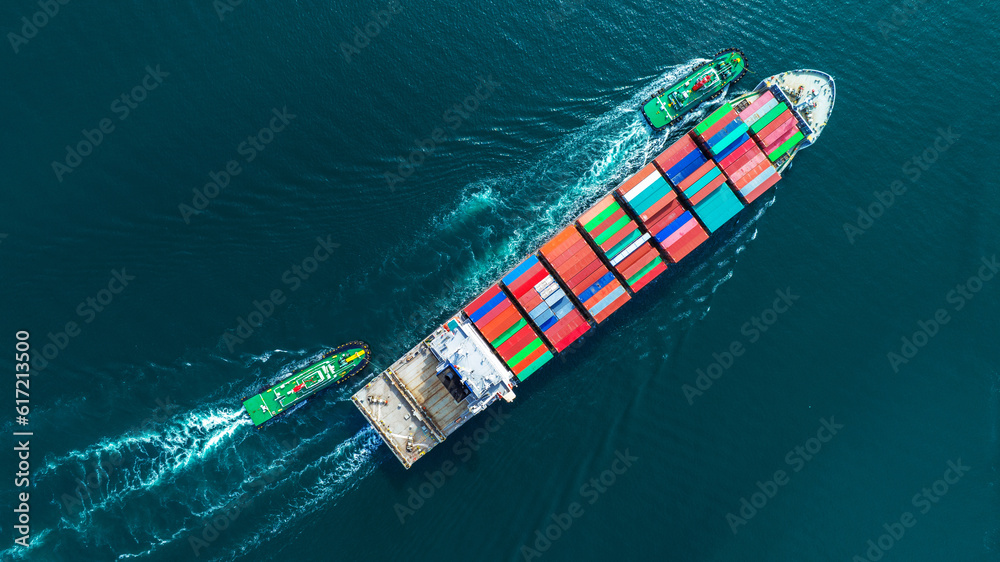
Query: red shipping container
(718,126)
(708,189)
(617,237)
(637,178)
(659,224)
(482,299)
(493,314)
(779,137)
(637,265)
(634,257)
(567,330)
(611,308)
(749,165)
(666,200)
(599,295)
(585,279)
(516,342)
(757,160)
(770,139)
(580,264)
(778,121)
(499,325)
(696,175)
(550,247)
(538,272)
(675,152)
(688,242)
(531,358)
(649,276)
(682,145)
(557,260)
(728,161)
(753,173)
(681,251)
(657,207)
(746,178)
(498,311)
(530,300)
(664,221)
(572,335)
(750,197)
(562,247)
(742,161)
(608,222)
(670,212)
(527,280)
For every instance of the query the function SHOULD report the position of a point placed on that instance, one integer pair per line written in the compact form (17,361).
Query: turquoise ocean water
(882,236)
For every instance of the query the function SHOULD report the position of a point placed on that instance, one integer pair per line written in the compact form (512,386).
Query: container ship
(594,265)
(705,82)
(333,368)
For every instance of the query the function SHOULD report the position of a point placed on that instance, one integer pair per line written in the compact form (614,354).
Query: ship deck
(432,390)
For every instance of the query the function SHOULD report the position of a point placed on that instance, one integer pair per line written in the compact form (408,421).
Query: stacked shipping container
(722,134)
(584,273)
(749,172)
(665,217)
(622,243)
(508,332)
(546,303)
(773,125)
(696,179)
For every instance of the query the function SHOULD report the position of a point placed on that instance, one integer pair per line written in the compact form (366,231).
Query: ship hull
(543,306)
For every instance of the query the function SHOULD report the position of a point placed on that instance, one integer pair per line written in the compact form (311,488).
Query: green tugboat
(704,83)
(333,368)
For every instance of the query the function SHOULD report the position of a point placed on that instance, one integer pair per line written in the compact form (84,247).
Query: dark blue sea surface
(821,374)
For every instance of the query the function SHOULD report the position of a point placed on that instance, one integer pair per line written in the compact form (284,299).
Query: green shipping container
(714,118)
(786,146)
(768,117)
